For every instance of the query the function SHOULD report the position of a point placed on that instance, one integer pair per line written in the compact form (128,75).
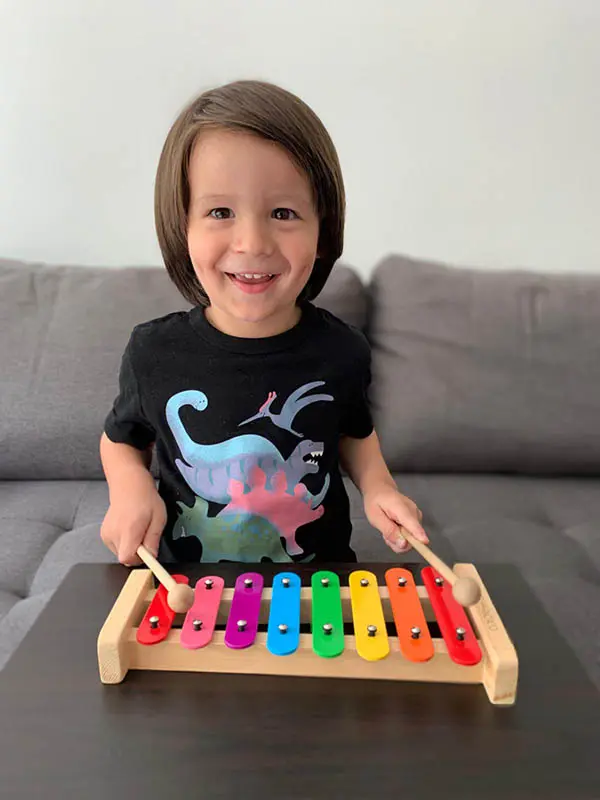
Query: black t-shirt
(246,433)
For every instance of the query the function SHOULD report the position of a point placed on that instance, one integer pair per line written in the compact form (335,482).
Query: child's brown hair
(274,114)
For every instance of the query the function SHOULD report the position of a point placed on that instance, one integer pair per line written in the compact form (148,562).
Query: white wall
(468,131)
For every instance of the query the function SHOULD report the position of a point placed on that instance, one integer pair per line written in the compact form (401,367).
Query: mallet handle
(159,572)
(433,560)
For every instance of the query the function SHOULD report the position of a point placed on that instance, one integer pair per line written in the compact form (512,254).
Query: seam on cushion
(36,280)
(10,594)
(62,533)
(43,520)
(29,582)
(32,519)
(583,551)
(78,505)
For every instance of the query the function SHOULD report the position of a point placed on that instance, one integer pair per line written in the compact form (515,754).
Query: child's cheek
(204,246)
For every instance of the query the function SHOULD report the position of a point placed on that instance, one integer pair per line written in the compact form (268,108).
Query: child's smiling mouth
(252,282)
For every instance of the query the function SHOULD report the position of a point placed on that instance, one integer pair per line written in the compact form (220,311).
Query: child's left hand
(389,511)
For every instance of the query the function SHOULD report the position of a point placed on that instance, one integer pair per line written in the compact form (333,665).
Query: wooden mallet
(180,596)
(466,591)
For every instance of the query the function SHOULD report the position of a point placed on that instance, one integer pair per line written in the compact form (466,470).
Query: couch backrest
(472,370)
(485,371)
(63,332)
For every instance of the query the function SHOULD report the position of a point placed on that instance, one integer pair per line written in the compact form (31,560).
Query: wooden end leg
(113,657)
(501,667)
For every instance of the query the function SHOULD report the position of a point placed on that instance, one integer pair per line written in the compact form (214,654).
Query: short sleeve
(126,422)
(357,419)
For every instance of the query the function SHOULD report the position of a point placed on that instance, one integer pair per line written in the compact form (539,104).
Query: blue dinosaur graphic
(208,469)
(290,408)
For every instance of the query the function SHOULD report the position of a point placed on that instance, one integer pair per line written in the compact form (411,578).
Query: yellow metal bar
(367,612)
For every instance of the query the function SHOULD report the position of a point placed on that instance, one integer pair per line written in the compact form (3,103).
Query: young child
(254,397)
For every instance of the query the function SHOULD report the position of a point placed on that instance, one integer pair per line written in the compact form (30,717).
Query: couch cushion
(65,328)
(345,295)
(64,332)
(34,515)
(7,601)
(45,528)
(547,526)
(481,371)
(79,546)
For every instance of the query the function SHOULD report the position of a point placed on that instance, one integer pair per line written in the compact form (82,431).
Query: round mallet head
(466,591)
(180,598)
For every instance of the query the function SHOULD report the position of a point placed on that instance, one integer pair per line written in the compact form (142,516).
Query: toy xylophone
(363,630)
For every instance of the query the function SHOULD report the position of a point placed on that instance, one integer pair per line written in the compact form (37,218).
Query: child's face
(251,214)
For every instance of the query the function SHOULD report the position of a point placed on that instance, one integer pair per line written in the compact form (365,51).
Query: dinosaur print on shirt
(264,498)
(290,408)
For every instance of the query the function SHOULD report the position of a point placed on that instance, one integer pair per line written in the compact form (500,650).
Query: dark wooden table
(65,735)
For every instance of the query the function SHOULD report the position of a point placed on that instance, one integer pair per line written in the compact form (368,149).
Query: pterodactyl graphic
(290,408)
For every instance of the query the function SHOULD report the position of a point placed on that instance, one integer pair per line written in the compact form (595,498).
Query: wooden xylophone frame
(119,651)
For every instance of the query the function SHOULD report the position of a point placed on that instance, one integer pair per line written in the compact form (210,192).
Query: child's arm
(117,458)
(385,507)
(137,513)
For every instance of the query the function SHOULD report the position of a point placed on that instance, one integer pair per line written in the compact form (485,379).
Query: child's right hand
(136,515)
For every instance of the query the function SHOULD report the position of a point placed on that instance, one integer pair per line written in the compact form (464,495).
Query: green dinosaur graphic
(231,536)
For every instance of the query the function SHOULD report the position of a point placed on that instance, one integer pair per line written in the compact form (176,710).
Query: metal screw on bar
(241,624)
(324,581)
(371,630)
(154,622)
(197,624)
(327,628)
(248,583)
(460,634)
(401,581)
(208,583)
(282,628)
(285,582)
(439,581)
(364,582)
(415,632)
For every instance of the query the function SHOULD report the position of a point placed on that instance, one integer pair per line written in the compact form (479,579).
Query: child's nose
(253,236)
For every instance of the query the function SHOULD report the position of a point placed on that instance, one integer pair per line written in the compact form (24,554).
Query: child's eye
(221,213)
(284,214)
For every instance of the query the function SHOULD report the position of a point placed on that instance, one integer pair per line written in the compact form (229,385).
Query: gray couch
(486,394)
